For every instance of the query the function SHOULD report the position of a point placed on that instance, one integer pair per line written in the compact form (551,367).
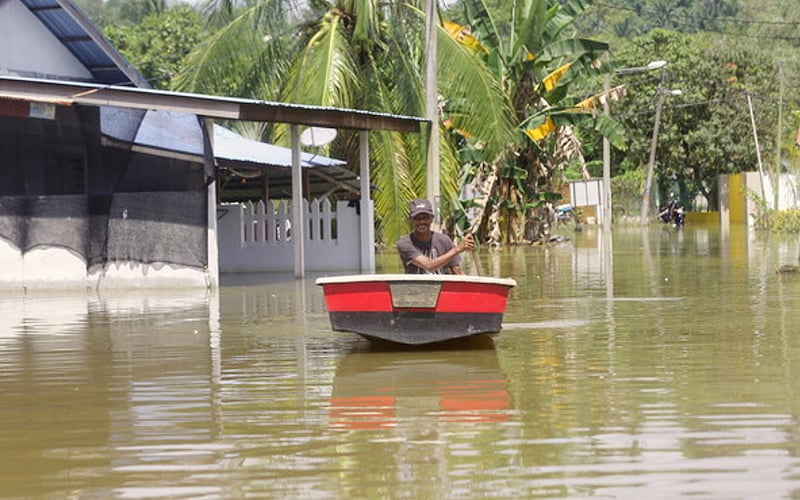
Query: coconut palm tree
(360,54)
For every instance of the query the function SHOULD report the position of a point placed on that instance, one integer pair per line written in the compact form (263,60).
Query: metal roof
(228,145)
(181,133)
(85,41)
(230,108)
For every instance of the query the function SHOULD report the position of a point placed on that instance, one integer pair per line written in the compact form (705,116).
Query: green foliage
(776,221)
(94,9)
(272,49)
(247,54)
(158,45)
(784,221)
(771,20)
(108,13)
(627,192)
(573,171)
(626,19)
(727,48)
(705,131)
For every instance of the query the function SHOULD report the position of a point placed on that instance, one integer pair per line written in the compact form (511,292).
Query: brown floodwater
(664,368)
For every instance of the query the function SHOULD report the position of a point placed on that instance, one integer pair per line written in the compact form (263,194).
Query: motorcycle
(566,214)
(673,214)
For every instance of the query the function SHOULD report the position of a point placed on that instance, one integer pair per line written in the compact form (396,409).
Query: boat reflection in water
(381,386)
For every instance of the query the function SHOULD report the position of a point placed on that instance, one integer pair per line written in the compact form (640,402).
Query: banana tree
(539,63)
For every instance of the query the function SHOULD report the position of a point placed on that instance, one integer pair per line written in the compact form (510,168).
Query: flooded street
(664,368)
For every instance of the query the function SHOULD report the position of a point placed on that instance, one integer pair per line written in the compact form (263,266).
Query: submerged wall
(737,194)
(58,268)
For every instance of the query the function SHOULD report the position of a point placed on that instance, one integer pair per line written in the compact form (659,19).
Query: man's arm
(468,243)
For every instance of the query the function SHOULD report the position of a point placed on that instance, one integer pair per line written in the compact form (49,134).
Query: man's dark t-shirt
(409,247)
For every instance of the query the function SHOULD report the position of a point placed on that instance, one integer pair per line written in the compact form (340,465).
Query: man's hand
(467,243)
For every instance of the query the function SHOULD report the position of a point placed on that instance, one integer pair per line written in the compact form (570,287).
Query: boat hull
(416,309)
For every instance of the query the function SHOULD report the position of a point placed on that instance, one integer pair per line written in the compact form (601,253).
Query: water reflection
(417,420)
(384,387)
(91,384)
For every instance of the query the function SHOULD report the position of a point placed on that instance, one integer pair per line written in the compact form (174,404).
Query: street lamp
(637,69)
(607,146)
(651,164)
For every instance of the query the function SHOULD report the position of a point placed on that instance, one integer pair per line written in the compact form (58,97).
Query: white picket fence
(255,237)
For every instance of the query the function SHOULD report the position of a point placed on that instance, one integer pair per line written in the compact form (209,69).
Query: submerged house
(105,182)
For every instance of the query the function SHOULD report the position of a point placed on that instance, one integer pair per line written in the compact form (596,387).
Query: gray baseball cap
(421,206)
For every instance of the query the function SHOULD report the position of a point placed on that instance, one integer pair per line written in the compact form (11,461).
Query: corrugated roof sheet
(229,145)
(181,133)
(85,42)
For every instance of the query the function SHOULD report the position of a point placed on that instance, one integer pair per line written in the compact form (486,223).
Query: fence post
(327,221)
(313,221)
(259,228)
(284,216)
(247,219)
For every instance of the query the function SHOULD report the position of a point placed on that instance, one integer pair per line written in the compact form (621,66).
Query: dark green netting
(84,182)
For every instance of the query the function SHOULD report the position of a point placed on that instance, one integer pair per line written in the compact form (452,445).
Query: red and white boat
(416,308)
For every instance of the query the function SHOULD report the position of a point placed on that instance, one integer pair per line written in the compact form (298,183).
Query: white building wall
(257,237)
(40,54)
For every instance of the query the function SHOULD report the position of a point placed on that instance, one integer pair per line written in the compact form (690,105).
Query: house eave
(229,108)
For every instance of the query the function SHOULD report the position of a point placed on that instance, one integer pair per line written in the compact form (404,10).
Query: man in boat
(424,251)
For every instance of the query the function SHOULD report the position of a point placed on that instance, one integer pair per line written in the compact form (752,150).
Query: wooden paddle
(476,261)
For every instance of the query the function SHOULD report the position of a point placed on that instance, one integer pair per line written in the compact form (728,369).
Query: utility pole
(764,178)
(648,183)
(432,107)
(606,218)
(606,221)
(779,140)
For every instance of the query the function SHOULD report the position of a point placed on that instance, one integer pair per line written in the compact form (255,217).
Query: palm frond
(400,68)
(613,130)
(393,175)
(449,172)
(475,99)
(218,13)
(541,124)
(561,19)
(397,160)
(326,73)
(240,58)
(367,22)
